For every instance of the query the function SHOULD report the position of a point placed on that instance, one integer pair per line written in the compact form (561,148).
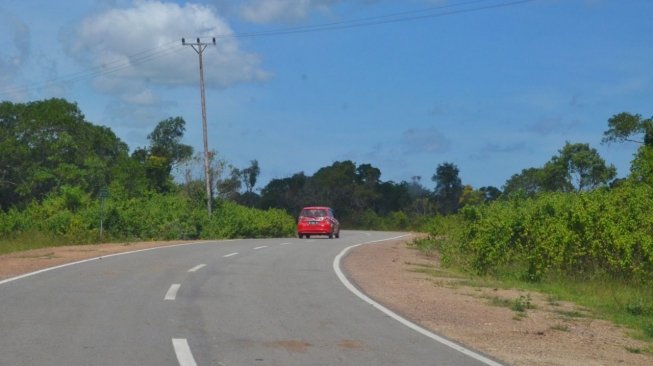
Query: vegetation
(567,228)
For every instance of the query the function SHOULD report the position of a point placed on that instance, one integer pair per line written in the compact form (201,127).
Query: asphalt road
(244,302)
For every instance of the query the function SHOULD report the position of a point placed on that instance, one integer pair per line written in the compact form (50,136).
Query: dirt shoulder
(551,333)
(547,332)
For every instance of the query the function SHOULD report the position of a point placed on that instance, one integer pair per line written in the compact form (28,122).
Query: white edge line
(197,268)
(172,292)
(229,255)
(182,350)
(390,313)
(7,280)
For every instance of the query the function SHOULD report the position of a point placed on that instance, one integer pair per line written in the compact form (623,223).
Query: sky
(493,86)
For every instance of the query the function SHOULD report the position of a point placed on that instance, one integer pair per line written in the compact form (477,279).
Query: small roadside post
(104,193)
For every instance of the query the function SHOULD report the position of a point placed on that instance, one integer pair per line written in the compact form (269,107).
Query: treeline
(48,150)
(545,228)
(66,180)
(64,177)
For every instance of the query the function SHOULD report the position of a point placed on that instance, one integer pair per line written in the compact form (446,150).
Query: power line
(104,69)
(382,19)
(169,48)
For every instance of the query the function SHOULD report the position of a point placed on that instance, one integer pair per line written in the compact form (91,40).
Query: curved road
(244,302)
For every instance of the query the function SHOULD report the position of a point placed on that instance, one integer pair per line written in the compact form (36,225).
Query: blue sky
(493,86)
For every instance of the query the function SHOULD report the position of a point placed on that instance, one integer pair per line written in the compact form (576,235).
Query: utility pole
(199,47)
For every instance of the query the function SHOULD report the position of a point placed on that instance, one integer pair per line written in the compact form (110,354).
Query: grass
(560,328)
(30,240)
(434,271)
(518,305)
(570,313)
(622,302)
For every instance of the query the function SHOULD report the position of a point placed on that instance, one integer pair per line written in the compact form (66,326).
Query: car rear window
(313,213)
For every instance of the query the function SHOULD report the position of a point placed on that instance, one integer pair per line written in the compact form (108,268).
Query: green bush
(71,217)
(231,220)
(586,235)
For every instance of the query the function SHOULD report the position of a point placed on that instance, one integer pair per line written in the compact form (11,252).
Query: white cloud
(267,11)
(141,45)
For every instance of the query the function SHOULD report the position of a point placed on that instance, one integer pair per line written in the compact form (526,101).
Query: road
(243,302)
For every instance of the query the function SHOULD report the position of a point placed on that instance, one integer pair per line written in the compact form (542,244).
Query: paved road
(244,302)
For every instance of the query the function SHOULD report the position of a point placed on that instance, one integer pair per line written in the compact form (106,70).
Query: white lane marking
(106,256)
(261,247)
(197,268)
(409,324)
(285,243)
(229,255)
(172,292)
(182,350)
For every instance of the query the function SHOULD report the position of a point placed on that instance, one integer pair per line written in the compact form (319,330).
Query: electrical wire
(169,48)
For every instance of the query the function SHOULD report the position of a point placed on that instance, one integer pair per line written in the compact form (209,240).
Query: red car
(317,220)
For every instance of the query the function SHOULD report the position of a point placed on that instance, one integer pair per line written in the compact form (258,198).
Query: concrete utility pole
(199,47)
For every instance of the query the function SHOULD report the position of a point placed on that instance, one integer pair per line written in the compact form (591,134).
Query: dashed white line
(172,292)
(182,350)
(261,247)
(285,243)
(197,268)
(229,255)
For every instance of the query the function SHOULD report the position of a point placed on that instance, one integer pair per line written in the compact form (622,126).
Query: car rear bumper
(316,229)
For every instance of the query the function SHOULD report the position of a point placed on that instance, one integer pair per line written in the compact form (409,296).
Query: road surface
(242,302)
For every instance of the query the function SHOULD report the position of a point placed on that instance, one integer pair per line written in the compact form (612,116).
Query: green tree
(623,126)
(641,168)
(448,188)
(335,186)
(287,193)
(576,167)
(229,187)
(527,183)
(470,197)
(585,169)
(165,141)
(250,175)
(165,152)
(48,144)
(490,193)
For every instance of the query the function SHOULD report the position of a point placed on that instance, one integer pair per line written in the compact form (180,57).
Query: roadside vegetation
(567,228)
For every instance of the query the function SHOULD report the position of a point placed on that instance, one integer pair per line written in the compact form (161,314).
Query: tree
(470,197)
(250,175)
(229,188)
(335,186)
(420,198)
(490,193)
(641,168)
(165,140)
(576,167)
(527,183)
(585,168)
(448,188)
(47,144)
(624,125)
(286,193)
(165,152)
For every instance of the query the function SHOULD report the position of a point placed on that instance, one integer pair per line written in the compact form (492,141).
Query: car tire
(338,235)
(330,236)
(300,236)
